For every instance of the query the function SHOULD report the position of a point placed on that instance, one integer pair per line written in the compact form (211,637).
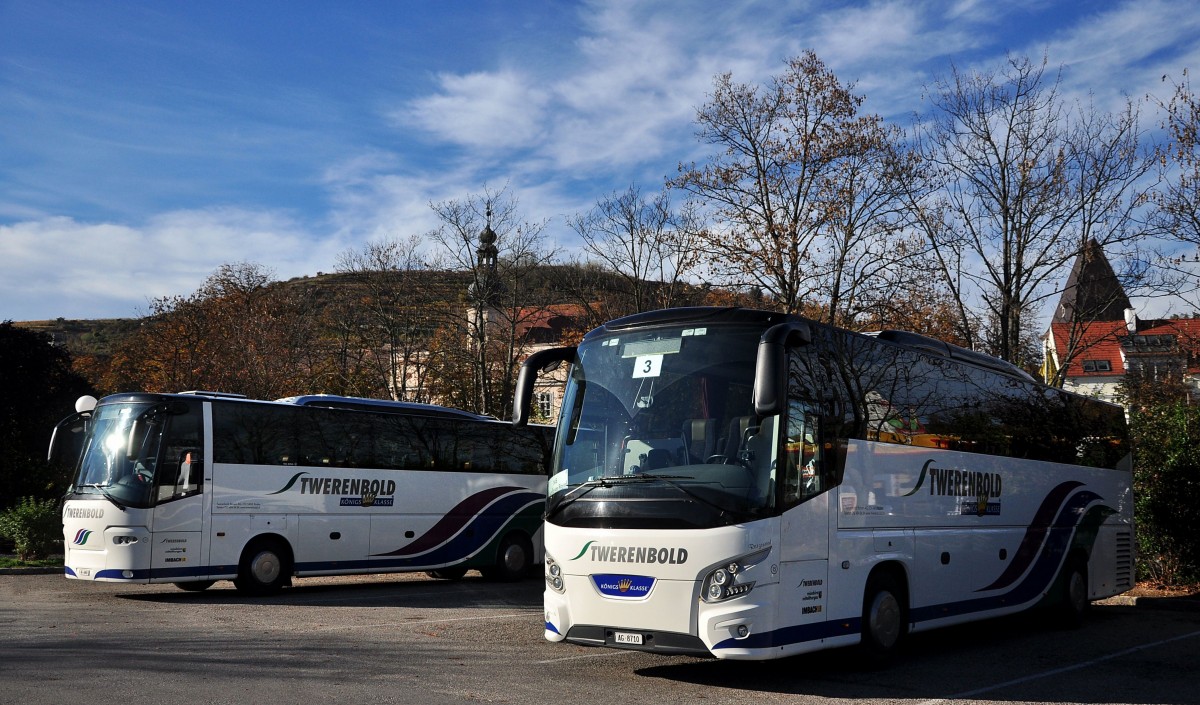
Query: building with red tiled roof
(1095,338)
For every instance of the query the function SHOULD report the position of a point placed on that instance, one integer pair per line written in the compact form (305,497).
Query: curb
(1187,603)
(47,570)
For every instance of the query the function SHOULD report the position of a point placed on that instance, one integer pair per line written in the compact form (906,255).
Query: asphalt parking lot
(410,639)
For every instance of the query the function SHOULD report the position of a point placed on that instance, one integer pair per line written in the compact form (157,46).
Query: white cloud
(61,267)
(1126,50)
(483,110)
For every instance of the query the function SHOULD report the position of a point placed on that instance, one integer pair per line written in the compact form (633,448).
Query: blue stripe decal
(551,628)
(472,539)
(1054,547)
(478,533)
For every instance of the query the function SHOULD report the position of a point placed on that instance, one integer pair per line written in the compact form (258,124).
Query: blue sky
(143,144)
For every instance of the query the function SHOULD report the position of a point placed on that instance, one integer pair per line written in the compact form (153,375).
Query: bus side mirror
(771,367)
(66,442)
(539,362)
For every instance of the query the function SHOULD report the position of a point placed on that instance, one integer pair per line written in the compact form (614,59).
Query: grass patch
(13,562)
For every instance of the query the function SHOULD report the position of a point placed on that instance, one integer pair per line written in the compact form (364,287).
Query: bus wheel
(264,569)
(447,573)
(195,585)
(1073,596)
(513,560)
(883,619)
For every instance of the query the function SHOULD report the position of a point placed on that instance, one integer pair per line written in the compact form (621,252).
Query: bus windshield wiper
(579,491)
(575,493)
(106,494)
(582,489)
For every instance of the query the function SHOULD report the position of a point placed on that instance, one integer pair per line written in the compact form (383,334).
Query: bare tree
(805,192)
(502,300)
(392,315)
(1024,183)
(1178,201)
(650,247)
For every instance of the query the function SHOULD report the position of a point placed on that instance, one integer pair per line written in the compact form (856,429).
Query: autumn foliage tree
(235,334)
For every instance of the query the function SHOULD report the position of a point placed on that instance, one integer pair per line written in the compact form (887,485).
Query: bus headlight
(727,581)
(554,575)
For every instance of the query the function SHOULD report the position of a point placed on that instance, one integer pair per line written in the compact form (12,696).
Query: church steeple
(484,290)
(1093,292)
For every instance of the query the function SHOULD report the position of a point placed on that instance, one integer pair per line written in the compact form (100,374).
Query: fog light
(554,577)
(743,631)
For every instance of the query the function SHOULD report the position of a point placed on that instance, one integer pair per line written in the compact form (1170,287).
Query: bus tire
(1072,604)
(513,560)
(195,585)
(452,573)
(266,566)
(884,617)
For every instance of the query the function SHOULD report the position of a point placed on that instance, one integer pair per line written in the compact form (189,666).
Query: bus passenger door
(177,521)
(805,521)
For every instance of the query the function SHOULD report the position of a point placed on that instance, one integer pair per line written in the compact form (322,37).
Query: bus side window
(805,472)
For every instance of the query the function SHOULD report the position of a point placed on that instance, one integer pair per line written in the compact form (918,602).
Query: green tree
(1167,492)
(37,389)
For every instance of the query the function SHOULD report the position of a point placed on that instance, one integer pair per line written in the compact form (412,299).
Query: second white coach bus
(751,485)
(193,488)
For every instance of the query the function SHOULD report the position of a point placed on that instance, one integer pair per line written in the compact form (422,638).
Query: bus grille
(1124,572)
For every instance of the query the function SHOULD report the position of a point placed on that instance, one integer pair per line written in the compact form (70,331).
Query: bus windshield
(108,468)
(658,429)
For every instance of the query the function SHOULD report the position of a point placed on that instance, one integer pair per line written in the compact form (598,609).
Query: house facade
(1096,338)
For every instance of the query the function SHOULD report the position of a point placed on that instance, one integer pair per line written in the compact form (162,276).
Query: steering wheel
(142,475)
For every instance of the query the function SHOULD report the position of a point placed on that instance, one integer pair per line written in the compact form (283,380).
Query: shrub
(33,525)
(1167,492)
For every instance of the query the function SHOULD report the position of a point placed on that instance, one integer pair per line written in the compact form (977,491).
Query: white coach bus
(751,485)
(197,487)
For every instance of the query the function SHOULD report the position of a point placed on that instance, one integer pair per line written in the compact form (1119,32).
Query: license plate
(627,638)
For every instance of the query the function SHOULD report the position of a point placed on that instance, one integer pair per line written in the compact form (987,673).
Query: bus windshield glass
(108,468)
(658,428)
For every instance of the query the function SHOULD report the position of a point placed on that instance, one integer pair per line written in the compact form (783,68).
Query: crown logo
(624,584)
(981,503)
(368,500)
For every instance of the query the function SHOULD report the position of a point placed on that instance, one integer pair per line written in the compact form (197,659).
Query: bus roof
(364,404)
